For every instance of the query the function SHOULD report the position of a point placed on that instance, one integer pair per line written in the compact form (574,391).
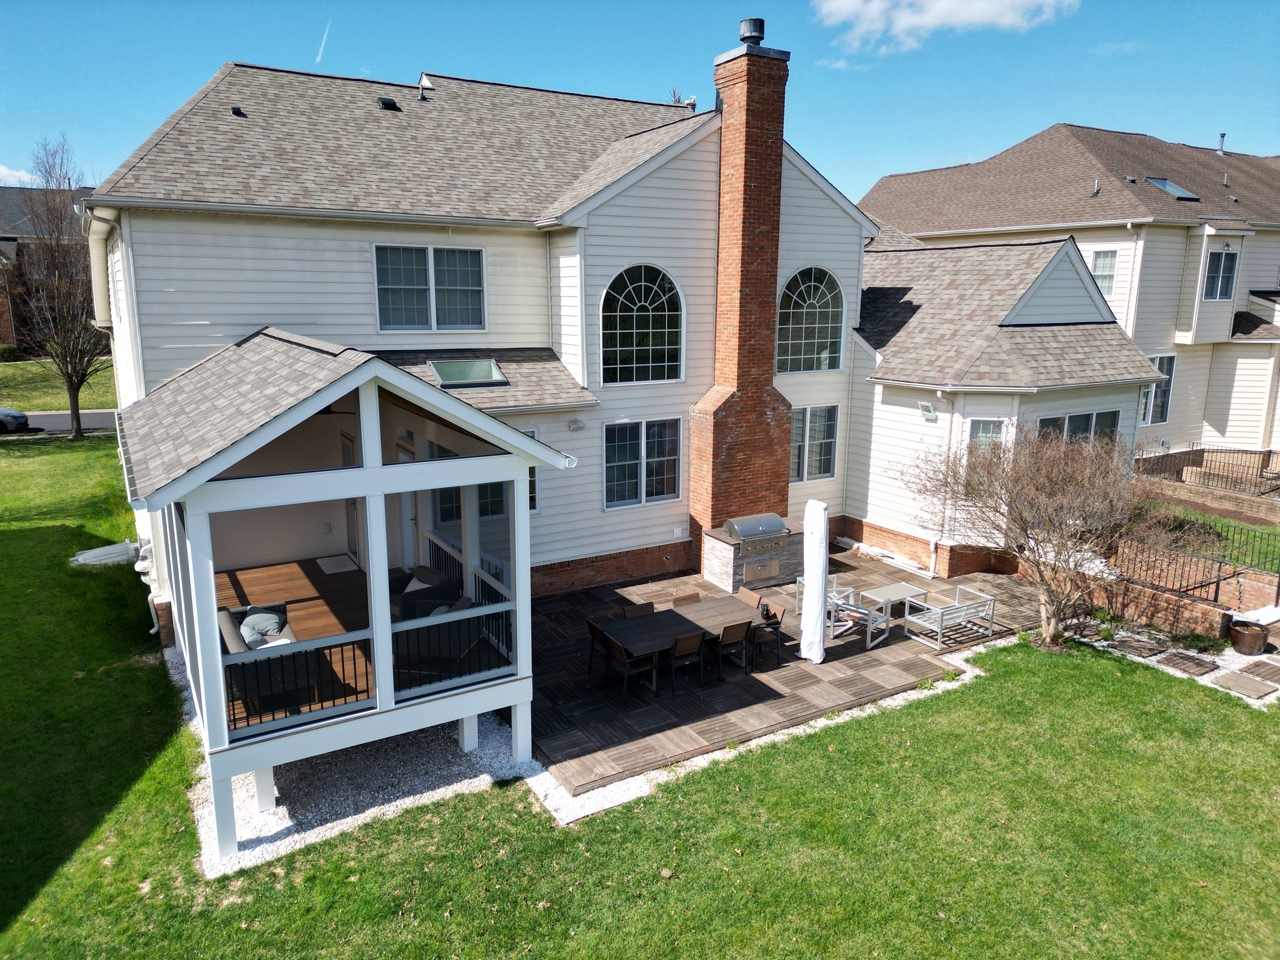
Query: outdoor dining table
(656,632)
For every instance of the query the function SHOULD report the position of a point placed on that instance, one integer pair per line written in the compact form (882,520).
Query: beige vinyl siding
(899,436)
(123,332)
(1213,317)
(1186,400)
(1160,292)
(567,332)
(857,431)
(667,218)
(1059,297)
(204,282)
(1259,266)
(1236,403)
(815,232)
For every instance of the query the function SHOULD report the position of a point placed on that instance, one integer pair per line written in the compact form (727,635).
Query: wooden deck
(588,739)
(319,604)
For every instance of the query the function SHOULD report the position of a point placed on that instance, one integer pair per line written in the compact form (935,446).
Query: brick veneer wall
(954,560)
(740,429)
(668,560)
(164,619)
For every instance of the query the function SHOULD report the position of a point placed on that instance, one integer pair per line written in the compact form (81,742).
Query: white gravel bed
(1227,662)
(566,808)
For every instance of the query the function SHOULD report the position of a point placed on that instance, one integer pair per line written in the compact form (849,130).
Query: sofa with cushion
(421,593)
(231,621)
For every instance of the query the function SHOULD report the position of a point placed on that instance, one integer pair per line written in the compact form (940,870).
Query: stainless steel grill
(757,533)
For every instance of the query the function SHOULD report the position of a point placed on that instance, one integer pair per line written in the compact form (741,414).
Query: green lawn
(1244,544)
(34,385)
(1066,805)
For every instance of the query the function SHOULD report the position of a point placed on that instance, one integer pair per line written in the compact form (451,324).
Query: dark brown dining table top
(658,631)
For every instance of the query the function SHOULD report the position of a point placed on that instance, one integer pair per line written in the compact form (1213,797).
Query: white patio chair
(971,607)
(846,615)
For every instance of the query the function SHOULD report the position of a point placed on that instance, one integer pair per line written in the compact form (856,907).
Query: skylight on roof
(1171,188)
(469,373)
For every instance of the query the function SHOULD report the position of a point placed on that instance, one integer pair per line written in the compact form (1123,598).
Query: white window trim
(844,319)
(968,428)
(1148,393)
(1235,277)
(431,292)
(804,459)
(1115,269)
(684,336)
(1092,414)
(644,501)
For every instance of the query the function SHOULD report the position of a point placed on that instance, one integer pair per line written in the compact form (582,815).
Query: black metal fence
(291,684)
(452,651)
(1254,473)
(1220,561)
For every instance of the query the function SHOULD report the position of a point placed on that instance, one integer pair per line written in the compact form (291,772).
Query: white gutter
(310,213)
(1034,228)
(963,388)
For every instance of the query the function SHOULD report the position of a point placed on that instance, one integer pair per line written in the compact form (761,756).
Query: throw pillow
(259,624)
(427,576)
(415,584)
(443,608)
(463,603)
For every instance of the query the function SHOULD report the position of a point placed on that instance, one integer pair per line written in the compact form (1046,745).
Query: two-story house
(393,359)
(1183,241)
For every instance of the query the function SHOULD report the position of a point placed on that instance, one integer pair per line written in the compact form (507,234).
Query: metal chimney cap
(751,31)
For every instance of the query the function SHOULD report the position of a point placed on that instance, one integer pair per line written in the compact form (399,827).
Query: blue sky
(877,86)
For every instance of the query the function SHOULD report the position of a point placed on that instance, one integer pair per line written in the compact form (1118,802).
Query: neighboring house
(15,232)
(362,331)
(1183,241)
(964,344)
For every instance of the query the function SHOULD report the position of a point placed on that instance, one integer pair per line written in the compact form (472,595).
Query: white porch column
(224,818)
(470,537)
(208,638)
(468,733)
(375,515)
(264,788)
(521,713)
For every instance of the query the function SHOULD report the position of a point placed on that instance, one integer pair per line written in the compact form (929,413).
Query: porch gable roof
(220,402)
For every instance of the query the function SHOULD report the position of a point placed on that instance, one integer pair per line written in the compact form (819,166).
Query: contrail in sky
(323,39)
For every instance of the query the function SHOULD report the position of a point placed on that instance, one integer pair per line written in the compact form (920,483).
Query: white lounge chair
(970,607)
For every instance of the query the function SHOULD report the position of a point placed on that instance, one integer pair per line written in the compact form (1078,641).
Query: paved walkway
(587,738)
(60,420)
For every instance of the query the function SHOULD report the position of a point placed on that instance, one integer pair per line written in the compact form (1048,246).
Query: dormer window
(1220,278)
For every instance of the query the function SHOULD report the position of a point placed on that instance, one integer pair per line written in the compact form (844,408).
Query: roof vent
(388,103)
(424,84)
(692,104)
(751,31)
(1131,179)
(1233,199)
(238,112)
(1222,139)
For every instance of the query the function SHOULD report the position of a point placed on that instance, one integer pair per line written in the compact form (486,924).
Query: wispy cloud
(888,25)
(1119,49)
(324,40)
(16,178)
(841,64)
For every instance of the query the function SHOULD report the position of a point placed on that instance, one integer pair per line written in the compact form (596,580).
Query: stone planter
(1249,638)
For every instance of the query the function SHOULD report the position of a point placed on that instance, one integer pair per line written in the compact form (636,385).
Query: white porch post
(375,514)
(224,818)
(521,713)
(264,788)
(468,733)
(208,639)
(470,537)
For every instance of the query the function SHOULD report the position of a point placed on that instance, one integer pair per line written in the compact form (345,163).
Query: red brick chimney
(740,429)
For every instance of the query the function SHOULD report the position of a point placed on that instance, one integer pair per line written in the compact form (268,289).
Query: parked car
(11,421)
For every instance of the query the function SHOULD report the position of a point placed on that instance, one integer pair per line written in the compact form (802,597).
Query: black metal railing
(292,684)
(438,558)
(1254,473)
(1207,558)
(485,593)
(452,651)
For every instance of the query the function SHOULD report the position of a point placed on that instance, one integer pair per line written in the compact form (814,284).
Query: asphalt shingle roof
(934,315)
(1049,179)
(891,238)
(1247,326)
(224,398)
(472,150)
(536,378)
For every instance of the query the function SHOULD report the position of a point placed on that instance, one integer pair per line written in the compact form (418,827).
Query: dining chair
(686,650)
(626,665)
(598,639)
(732,639)
(638,610)
(749,596)
(771,624)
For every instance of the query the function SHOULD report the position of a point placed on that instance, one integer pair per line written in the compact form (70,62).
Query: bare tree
(676,96)
(55,290)
(1060,509)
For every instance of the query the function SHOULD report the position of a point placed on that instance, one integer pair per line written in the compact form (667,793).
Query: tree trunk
(73,395)
(1050,625)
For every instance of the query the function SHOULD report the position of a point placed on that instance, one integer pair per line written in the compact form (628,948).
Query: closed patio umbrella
(813,623)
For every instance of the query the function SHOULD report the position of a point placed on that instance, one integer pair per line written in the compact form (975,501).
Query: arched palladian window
(640,323)
(809,322)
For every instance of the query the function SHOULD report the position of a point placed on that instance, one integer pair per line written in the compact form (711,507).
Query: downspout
(98,264)
(942,531)
(551,313)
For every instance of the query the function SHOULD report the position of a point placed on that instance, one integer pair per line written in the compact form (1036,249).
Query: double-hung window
(430,288)
(1220,278)
(1082,426)
(813,443)
(984,433)
(1154,405)
(641,462)
(533,477)
(1104,270)
(492,496)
